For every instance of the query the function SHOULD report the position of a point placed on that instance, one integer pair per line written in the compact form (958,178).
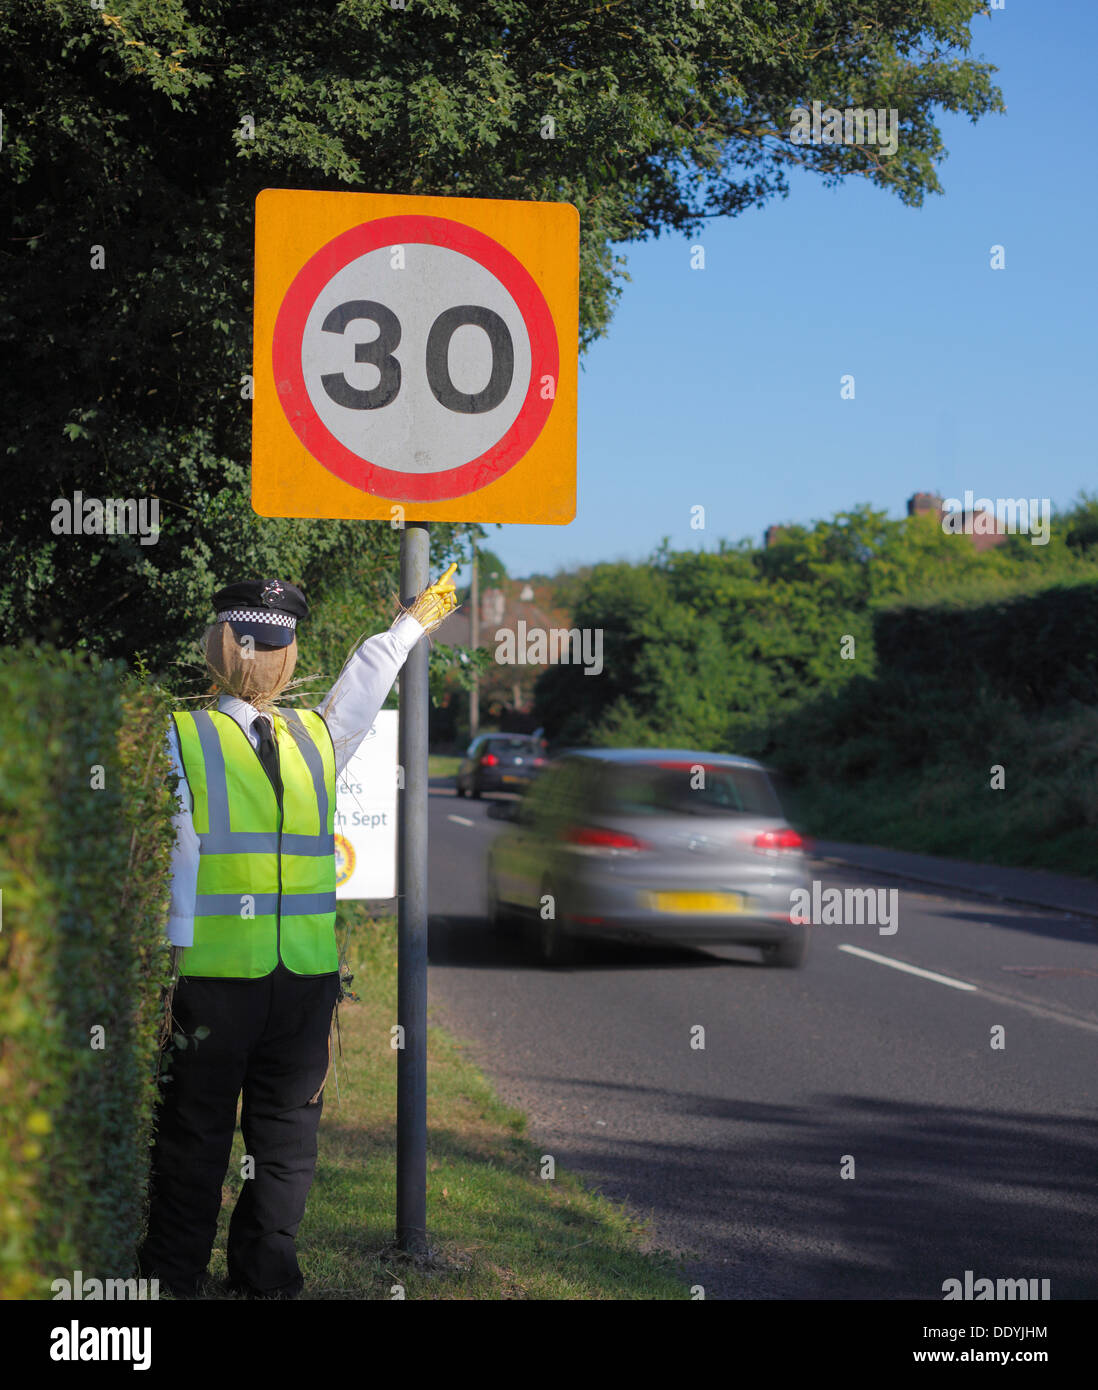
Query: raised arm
(351,706)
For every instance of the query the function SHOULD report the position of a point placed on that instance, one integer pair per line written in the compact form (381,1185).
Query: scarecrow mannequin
(252,921)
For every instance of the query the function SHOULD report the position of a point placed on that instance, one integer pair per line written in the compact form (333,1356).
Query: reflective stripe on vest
(257,903)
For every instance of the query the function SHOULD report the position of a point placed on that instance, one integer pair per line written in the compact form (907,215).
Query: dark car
(647,845)
(500,763)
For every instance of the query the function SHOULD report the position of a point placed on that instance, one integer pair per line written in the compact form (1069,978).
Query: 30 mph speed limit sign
(415,352)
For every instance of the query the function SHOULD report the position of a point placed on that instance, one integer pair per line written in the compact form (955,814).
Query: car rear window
(649,789)
(512,745)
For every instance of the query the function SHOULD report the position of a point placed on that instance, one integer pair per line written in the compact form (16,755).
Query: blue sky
(721,386)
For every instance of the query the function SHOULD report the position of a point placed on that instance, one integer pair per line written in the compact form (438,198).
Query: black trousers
(268,1038)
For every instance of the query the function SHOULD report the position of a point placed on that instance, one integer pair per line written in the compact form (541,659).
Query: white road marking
(461,820)
(1037,1010)
(909,969)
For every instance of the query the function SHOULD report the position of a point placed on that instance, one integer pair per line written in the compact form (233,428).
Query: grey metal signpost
(420,350)
(412,913)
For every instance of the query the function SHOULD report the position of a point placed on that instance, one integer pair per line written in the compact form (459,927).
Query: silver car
(650,845)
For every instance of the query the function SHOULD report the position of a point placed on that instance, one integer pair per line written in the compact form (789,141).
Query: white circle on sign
(413,431)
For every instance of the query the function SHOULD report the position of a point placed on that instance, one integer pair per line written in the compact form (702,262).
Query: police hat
(267,610)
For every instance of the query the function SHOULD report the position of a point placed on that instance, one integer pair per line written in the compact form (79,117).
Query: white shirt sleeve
(184,855)
(351,706)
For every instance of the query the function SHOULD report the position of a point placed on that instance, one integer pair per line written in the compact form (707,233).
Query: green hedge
(1038,648)
(84,872)
(904,757)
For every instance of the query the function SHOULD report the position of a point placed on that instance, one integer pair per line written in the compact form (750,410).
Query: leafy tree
(662,672)
(1081,530)
(147,128)
(723,648)
(490,568)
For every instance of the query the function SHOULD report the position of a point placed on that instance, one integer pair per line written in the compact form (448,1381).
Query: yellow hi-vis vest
(266,883)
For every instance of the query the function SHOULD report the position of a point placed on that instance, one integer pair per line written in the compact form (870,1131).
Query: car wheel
(555,946)
(474,790)
(788,954)
(459,788)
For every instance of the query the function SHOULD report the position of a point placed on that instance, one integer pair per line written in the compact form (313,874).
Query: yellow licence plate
(696,902)
(508,778)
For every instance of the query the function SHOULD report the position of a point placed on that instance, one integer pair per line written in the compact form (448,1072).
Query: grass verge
(497,1229)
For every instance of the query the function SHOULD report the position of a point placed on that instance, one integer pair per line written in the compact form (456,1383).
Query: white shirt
(349,710)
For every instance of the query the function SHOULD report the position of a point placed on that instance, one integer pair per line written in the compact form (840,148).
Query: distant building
(506,690)
(493,603)
(983,528)
(922,503)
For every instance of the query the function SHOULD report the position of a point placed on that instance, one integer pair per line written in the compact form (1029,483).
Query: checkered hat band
(257,615)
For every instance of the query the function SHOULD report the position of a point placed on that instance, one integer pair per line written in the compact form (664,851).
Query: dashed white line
(909,969)
(1057,1015)
(461,820)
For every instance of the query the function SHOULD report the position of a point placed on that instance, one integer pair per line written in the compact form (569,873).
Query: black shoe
(196,1285)
(200,1287)
(291,1290)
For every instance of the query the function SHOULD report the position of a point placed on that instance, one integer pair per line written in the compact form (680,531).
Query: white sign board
(366,815)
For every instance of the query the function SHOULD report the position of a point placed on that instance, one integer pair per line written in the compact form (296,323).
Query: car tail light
(489,760)
(778,839)
(591,837)
(539,762)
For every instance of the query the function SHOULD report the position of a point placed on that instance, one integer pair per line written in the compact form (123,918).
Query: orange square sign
(415,358)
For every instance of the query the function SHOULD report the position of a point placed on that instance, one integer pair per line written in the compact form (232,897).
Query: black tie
(268,756)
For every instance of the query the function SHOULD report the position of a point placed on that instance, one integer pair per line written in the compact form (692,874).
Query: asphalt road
(964,1157)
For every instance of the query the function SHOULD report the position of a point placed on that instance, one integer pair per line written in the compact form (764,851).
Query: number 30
(379,353)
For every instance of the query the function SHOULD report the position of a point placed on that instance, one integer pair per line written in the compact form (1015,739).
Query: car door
(521,849)
(552,804)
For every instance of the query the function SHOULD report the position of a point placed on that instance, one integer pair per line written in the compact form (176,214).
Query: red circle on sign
(314,433)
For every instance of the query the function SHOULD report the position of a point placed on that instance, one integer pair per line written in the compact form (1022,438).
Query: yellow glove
(436,601)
